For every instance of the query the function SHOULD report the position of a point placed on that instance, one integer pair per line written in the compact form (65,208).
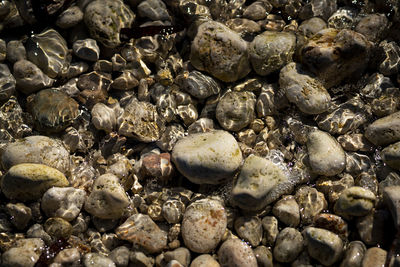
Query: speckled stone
(25,253)
(204,260)
(288,245)
(271,231)
(203,225)
(97,259)
(355,201)
(249,229)
(354,254)
(374,257)
(7,83)
(212,43)
(311,202)
(385,130)
(28,181)
(207,158)
(287,211)
(234,252)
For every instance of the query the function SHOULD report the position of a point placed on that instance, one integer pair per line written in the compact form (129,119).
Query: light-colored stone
(204,260)
(287,211)
(355,201)
(385,130)
(234,252)
(249,229)
(25,253)
(97,260)
(374,257)
(288,245)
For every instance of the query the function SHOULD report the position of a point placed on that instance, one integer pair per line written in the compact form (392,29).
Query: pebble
(390,53)
(354,254)
(204,260)
(372,26)
(385,130)
(374,257)
(28,181)
(318,8)
(270,51)
(108,199)
(106,117)
(263,256)
(257,10)
(270,226)
(323,245)
(311,26)
(37,231)
(203,225)
(20,215)
(182,255)
(287,211)
(25,252)
(234,252)
(3,49)
(97,260)
(326,156)
(391,155)
(355,201)
(58,228)
(63,202)
(311,202)
(29,77)
(288,245)
(207,158)
(139,258)
(235,110)
(120,256)
(172,210)
(303,89)
(153,9)
(126,81)
(68,256)
(258,184)
(7,83)
(249,229)
(332,223)
(213,41)
(105,19)
(70,17)
(86,49)
(391,198)
(200,85)
(49,51)
(141,230)
(332,188)
(94,87)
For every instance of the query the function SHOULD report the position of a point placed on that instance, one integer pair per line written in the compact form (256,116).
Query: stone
(258,179)
(120,256)
(53,110)
(58,228)
(209,49)
(28,181)
(234,252)
(70,17)
(94,87)
(374,257)
(106,117)
(332,223)
(207,158)
(143,232)
(203,225)
(343,18)
(138,258)
(7,83)
(199,85)
(323,245)
(25,252)
(326,156)
(270,226)
(354,254)
(97,259)
(270,51)
(390,58)
(126,81)
(263,256)
(235,110)
(29,78)
(68,256)
(372,26)
(311,202)
(108,199)
(37,231)
(391,198)
(249,229)
(153,9)
(303,89)
(257,10)
(182,255)
(86,49)
(204,260)
(288,245)
(311,26)
(20,215)
(385,130)
(63,202)
(390,155)
(49,51)
(318,8)
(355,201)
(36,149)
(105,19)
(172,210)
(332,188)
(287,211)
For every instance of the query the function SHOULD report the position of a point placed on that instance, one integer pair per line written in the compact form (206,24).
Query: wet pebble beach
(200,133)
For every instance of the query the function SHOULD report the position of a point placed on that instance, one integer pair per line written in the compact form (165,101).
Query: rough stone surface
(234,252)
(26,252)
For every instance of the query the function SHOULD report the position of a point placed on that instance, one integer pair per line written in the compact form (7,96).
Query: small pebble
(374,257)
(97,259)
(234,252)
(86,49)
(354,254)
(355,201)
(249,229)
(25,252)
(287,211)
(204,260)
(288,245)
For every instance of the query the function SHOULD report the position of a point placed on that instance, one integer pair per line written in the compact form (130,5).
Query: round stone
(203,225)
(204,260)
(58,228)
(207,158)
(374,257)
(249,229)
(385,130)
(200,85)
(354,254)
(355,201)
(288,245)
(287,211)
(270,51)
(264,256)
(69,17)
(311,202)
(234,252)
(97,259)
(25,252)
(391,155)
(28,181)
(212,43)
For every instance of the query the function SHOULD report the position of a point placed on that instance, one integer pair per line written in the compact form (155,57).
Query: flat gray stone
(385,130)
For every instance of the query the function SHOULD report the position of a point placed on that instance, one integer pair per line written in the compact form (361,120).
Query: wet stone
(68,256)
(387,102)
(391,198)
(142,231)
(64,202)
(354,254)
(97,259)
(20,215)
(15,51)
(105,117)
(172,210)
(200,85)
(69,17)
(332,188)
(94,87)
(323,245)
(354,142)
(270,100)
(37,231)
(343,18)
(258,182)
(212,42)
(203,225)
(355,201)
(153,9)
(58,228)
(372,26)
(204,158)
(311,26)
(138,258)
(311,203)
(314,99)
(126,81)
(318,8)
(249,229)
(29,77)
(204,260)
(263,256)
(270,51)
(385,130)
(234,252)
(7,83)
(270,226)
(288,245)
(105,19)
(182,255)
(332,223)
(374,257)
(86,49)
(108,199)
(390,53)
(141,121)
(287,211)
(25,252)
(53,110)
(3,50)
(49,51)
(28,181)
(375,228)
(257,10)
(171,135)
(235,110)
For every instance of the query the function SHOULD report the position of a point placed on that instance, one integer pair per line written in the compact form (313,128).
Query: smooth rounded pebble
(326,156)
(28,181)
(385,130)
(374,257)
(287,211)
(203,225)
(288,245)
(234,252)
(258,177)
(391,155)
(323,245)
(36,149)
(355,201)
(25,252)
(249,229)
(354,254)
(204,260)
(63,202)
(264,256)
(143,231)
(108,199)
(209,48)
(97,259)
(207,158)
